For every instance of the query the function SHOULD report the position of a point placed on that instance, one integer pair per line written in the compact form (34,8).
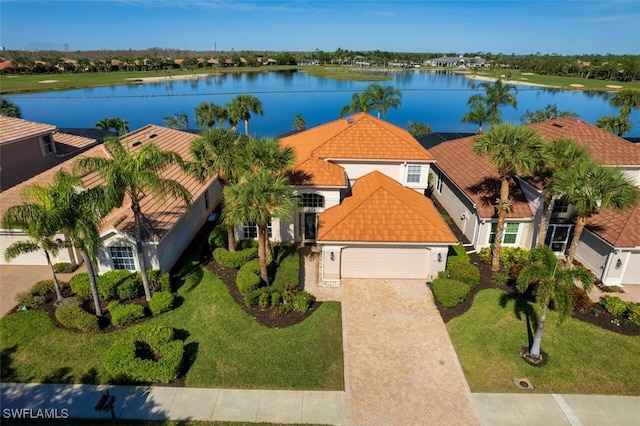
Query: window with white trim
(414,171)
(312,200)
(250,231)
(560,208)
(46,144)
(510,233)
(439,181)
(122,258)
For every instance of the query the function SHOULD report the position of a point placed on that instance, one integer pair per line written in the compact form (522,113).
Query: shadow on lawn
(522,307)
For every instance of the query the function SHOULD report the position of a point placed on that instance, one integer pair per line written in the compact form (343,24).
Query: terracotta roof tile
(67,144)
(359,137)
(379,209)
(621,229)
(14,129)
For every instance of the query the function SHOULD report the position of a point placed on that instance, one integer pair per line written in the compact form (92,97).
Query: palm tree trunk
(56,284)
(580,223)
(268,249)
(246,127)
(537,339)
(502,216)
(92,279)
(544,222)
(137,219)
(262,255)
(231,238)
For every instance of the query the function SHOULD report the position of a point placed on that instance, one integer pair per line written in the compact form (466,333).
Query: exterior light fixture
(332,256)
(439,257)
(618,264)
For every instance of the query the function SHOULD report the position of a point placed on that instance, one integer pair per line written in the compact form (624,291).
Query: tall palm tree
(562,153)
(478,113)
(179,120)
(617,125)
(552,284)
(257,198)
(39,218)
(512,149)
(359,103)
(547,113)
(217,151)
(589,187)
(299,123)
(208,113)
(117,124)
(9,109)
(131,176)
(240,108)
(626,100)
(81,214)
(496,95)
(382,98)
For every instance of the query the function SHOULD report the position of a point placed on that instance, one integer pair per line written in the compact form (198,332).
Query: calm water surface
(437,99)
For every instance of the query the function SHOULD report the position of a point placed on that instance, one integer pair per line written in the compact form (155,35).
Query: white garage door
(632,272)
(35,258)
(400,263)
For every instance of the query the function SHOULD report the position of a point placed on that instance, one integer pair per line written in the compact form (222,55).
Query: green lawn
(583,358)
(228,348)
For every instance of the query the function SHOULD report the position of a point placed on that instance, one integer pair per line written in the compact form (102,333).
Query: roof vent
(136,143)
(558,125)
(350,119)
(152,135)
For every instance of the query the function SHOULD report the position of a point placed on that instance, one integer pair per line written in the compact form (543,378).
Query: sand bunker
(576,85)
(48,81)
(614,86)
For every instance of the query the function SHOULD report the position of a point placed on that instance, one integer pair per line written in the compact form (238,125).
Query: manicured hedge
(460,269)
(73,316)
(234,259)
(450,292)
(118,284)
(248,277)
(288,271)
(122,314)
(150,354)
(42,288)
(161,301)
(219,237)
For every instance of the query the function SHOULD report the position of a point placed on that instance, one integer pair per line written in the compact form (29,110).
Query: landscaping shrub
(580,300)
(73,316)
(264,300)
(633,313)
(122,314)
(109,282)
(148,355)
(459,251)
(165,283)
(218,237)
(80,285)
(275,299)
(450,292)
(614,305)
(301,301)
(248,277)
(44,287)
(64,268)
(161,301)
(460,269)
(288,270)
(234,259)
(28,299)
(509,256)
(130,287)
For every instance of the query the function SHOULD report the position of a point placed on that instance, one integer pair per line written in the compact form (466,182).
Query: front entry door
(310,226)
(558,238)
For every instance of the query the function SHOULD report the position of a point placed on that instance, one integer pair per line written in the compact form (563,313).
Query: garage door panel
(399,263)
(632,271)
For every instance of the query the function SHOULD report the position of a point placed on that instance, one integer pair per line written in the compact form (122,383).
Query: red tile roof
(15,129)
(621,229)
(359,137)
(379,209)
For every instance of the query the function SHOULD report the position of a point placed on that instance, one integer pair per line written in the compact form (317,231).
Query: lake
(434,98)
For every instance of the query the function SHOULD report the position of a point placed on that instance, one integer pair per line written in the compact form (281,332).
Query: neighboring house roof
(360,137)
(477,178)
(604,147)
(381,210)
(621,229)
(15,129)
(159,215)
(429,140)
(67,144)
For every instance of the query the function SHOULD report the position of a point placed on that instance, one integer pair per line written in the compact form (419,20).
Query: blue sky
(520,27)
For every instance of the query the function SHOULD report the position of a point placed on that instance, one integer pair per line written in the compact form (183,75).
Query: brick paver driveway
(401,368)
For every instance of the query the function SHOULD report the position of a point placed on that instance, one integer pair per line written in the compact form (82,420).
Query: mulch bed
(262,316)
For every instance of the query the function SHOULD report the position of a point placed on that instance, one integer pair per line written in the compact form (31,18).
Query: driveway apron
(401,368)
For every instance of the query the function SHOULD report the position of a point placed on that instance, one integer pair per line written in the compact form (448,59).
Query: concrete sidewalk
(170,403)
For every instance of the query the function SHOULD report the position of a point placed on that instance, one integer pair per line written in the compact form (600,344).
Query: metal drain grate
(523,384)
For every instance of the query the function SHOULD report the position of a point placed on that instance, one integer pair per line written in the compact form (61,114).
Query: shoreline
(512,82)
(172,78)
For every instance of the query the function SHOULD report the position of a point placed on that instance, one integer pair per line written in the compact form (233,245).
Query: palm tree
(381,98)
(217,152)
(617,125)
(113,123)
(416,128)
(240,108)
(133,175)
(512,149)
(626,100)
(496,95)
(9,109)
(547,113)
(208,113)
(552,284)
(81,214)
(257,198)
(477,115)
(589,187)
(179,120)
(359,103)
(39,217)
(299,123)
(561,154)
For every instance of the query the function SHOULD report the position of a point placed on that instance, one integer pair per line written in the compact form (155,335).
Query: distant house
(457,61)
(361,181)
(168,227)
(28,148)
(467,186)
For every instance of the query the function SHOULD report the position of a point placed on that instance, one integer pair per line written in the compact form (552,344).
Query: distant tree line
(624,68)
